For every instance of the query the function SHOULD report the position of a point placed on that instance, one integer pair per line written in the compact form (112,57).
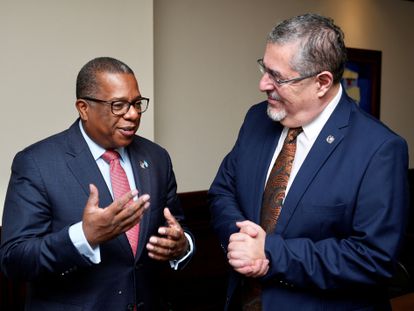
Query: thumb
(93,199)
(169,217)
(248,228)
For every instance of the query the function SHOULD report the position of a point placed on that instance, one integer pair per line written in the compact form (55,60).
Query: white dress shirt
(305,140)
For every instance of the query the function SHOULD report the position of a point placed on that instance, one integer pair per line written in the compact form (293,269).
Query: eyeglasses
(121,107)
(263,69)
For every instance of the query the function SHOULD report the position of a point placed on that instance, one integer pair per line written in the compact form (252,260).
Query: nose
(132,113)
(266,83)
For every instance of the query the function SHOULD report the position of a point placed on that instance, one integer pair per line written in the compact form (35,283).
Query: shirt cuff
(175,263)
(78,239)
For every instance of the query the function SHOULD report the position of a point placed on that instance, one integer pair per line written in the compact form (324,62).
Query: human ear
(82,107)
(324,82)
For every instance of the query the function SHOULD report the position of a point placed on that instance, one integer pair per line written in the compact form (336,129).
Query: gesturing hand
(103,224)
(171,242)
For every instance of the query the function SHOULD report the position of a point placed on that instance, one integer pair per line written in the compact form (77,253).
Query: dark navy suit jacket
(341,224)
(47,193)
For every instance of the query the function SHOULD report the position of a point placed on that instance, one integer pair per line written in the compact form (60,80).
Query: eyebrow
(273,72)
(123,99)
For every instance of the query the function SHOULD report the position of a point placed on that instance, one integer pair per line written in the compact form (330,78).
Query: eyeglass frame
(111,102)
(263,69)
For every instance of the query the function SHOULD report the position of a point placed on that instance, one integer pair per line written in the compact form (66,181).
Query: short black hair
(86,82)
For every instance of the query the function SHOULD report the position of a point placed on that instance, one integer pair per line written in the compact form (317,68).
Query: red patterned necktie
(273,196)
(120,186)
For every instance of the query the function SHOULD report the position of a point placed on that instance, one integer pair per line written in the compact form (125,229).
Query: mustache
(273,95)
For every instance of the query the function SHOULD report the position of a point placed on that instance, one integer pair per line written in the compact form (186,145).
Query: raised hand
(103,224)
(171,242)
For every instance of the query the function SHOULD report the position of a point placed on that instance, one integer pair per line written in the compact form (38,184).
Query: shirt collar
(312,129)
(96,150)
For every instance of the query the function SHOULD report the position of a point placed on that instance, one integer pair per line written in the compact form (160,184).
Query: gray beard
(276,115)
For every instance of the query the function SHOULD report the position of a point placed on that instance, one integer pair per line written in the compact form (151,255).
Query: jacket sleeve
(30,247)
(222,196)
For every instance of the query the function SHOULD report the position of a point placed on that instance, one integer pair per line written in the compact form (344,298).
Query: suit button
(138,266)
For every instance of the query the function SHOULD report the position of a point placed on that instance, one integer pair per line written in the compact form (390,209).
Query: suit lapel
(269,145)
(83,166)
(327,141)
(141,167)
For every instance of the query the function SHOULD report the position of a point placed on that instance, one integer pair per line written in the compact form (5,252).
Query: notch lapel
(264,159)
(141,167)
(321,150)
(83,166)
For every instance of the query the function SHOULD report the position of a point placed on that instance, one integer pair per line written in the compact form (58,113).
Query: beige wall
(44,43)
(206,75)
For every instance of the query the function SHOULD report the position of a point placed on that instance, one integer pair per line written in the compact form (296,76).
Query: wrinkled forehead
(278,55)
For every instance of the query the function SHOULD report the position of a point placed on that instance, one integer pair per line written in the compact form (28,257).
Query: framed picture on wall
(362,79)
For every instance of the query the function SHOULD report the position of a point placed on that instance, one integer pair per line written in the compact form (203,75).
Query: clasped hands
(103,224)
(245,251)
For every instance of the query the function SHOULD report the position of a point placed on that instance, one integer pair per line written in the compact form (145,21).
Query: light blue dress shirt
(76,233)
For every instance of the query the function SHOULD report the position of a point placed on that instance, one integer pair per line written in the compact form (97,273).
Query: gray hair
(321,44)
(87,83)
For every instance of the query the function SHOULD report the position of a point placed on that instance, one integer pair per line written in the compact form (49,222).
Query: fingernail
(153,240)
(161,231)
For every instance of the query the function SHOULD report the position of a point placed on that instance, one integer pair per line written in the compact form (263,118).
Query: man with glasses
(91,214)
(310,204)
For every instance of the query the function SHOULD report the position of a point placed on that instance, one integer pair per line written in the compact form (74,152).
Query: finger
(143,199)
(239,264)
(252,270)
(175,233)
(157,256)
(249,230)
(120,203)
(264,267)
(243,223)
(248,223)
(161,243)
(238,254)
(238,237)
(134,211)
(237,246)
(170,218)
(93,198)
(132,207)
(260,268)
(247,271)
(131,215)
(159,248)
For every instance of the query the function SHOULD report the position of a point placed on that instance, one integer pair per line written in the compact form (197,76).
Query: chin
(276,114)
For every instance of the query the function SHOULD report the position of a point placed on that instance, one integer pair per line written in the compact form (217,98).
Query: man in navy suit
(336,240)
(62,230)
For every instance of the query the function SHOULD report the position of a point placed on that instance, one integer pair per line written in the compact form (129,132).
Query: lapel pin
(143,164)
(330,139)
